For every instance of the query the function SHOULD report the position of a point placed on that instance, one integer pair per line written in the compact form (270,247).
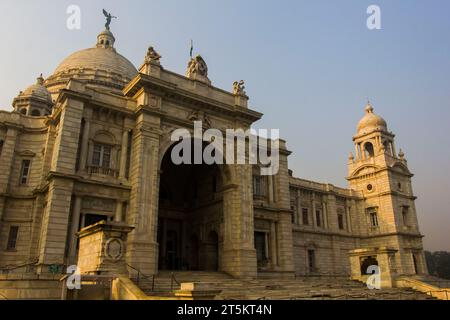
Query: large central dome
(98,59)
(101,66)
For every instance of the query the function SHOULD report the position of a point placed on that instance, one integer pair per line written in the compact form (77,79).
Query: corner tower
(383,178)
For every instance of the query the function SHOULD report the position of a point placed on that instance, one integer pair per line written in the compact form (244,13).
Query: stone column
(75,223)
(273,244)
(118,214)
(325,214)
(313,207)
(52,245)
(299,207)
(85,144)
(53,239)
(284,222)
(239,254)
(270,189)
(348,214)
(123,155)
(6,162)
(142,251)
(331,212)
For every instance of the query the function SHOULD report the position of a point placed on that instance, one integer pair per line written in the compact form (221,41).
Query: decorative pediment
(365,169)
(399,166)
(26,153)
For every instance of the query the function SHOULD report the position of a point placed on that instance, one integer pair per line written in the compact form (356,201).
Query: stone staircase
(308,288)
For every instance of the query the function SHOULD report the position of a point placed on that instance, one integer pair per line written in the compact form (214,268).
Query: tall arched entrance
(190,216)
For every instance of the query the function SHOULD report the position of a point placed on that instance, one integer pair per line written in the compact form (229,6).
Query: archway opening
(190,215)
(366,262)
(368,150)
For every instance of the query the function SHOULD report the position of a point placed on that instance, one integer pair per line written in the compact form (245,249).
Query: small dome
(37,90)
(371,122)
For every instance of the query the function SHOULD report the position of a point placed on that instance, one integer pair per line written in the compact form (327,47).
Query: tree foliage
(438,263)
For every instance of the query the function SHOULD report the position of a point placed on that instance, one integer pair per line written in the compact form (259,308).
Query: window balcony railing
(101,171)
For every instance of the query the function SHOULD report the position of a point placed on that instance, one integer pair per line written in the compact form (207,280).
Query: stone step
(314,288)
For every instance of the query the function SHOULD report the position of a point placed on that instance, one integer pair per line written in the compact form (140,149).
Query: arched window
(23,111)
(368,150)
(35,113)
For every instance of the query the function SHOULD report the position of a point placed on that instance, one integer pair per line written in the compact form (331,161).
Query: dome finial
(369,108)
(40,80)
(351,157)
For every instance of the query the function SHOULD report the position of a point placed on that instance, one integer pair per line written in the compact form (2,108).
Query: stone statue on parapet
(238,88)
(109,17)
(152,55)
(197,66)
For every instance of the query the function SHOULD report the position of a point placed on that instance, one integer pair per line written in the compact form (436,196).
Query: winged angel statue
(109,17)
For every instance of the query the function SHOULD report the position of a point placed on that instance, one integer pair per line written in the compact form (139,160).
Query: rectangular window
(374,219)
(106,159)
(12,238)
(24,172)
(96,157)
(319,218)
(341,221)
(305,218)
(405,210)
(260,246)
(1,147)
(101,157)
(311,261)
(259,187)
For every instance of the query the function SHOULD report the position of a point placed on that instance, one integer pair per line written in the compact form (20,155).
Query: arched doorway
(366,263)
(190,206)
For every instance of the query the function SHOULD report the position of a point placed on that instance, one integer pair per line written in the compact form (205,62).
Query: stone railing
(100,171)
(435,290)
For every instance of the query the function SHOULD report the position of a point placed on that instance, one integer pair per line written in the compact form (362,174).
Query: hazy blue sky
(308,66)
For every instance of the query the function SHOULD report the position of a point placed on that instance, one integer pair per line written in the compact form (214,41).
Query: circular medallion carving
(114,249)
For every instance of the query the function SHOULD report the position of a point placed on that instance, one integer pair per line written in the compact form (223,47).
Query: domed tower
(101,67)
(384,180)
(35,101)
